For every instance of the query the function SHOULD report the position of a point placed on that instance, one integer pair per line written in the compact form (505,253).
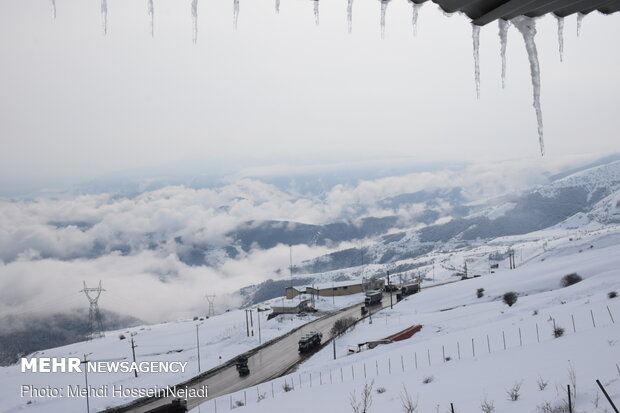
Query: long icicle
(278,6)
(349,16)
(503,37)
(560,36)
(414,17)
(384,4)
(316,12)
(476,39)
(194,21)
(104,15)
(152,16)
(53,5)
(235,13)
(580,17)
(527,28)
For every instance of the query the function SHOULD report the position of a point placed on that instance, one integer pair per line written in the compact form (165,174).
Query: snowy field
(460,351)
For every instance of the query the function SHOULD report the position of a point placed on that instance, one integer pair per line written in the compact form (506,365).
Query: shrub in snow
(612,294)
(380,390)
(287,387)
(570,279)
(535,312)
(239,403)
(362,405)
(121,336)
(558,331)
(428,379)
(547,407)
(515,391)
(261,396)
(510,298)
(541,383)
(487,406)
(480,292)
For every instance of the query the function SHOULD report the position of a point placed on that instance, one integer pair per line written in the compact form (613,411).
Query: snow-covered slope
(474,350)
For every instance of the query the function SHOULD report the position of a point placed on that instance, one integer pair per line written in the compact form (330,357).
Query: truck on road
(309,341)
(410,288)
(373,298)
(242,366)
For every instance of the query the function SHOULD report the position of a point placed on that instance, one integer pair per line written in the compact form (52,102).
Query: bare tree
(363,405)
(409,406)
(541,383)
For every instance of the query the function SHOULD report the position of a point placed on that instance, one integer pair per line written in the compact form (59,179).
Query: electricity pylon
(94,316)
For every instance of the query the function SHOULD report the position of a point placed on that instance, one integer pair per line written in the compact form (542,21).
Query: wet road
(267,363)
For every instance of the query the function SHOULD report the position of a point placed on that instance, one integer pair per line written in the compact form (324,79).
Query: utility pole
(133,353)
(247,325)
(258,317)
(198,345)
(334,345)
(391,303)
(85,363)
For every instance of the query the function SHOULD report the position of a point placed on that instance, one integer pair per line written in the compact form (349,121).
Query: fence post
(272,395)
(377,366)
(416,360)
(452,407)
(443,353)
(504,338)
(592,314)
(330,377)
(310,379)
(458,349)
(352,372)
(611,316)
(215,404)
(245,398)
(473,348)
(364,370)
(570,402)
(537,334)
(320,378)
(520,339)
(341,376)
(573,318)
(607,395)
(231,402)
(488,344)
(428,351)
(402,363)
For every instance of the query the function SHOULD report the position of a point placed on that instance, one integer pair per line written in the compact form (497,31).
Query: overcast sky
(75,103)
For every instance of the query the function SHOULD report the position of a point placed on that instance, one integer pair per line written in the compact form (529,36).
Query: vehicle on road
(242,366)
(176,406)
(410,288)
(309,341)
(373,298)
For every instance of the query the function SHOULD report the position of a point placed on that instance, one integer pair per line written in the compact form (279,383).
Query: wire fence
(540,328)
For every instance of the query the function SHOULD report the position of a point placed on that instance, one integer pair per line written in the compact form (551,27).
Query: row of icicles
(525,25)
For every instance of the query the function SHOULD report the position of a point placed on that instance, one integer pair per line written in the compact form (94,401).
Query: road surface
(265,364)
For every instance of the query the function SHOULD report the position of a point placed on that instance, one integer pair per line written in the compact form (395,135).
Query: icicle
(316,12)
(277,6)
(152,15)
(53,4)
(503,37)
(527,27)
(414,17)
(580,17)
(349,16)
(560,36)
(194,21)
(104,14)
(384,4)
(476,38)
(235,13)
